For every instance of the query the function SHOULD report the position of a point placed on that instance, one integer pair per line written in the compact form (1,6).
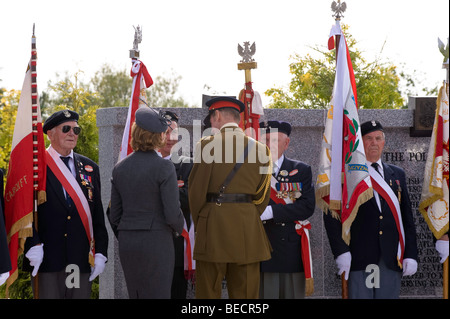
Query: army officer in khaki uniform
(230,238)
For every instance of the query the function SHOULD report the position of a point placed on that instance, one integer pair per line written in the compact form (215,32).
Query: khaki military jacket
(231,232)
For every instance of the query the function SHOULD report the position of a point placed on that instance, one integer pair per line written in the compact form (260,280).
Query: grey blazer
(144,194)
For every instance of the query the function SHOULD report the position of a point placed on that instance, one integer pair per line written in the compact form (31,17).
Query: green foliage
(113,87)
(8,110)
(163,93)
(311,86)
(71,94)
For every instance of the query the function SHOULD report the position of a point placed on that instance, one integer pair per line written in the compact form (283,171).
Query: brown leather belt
(228,198)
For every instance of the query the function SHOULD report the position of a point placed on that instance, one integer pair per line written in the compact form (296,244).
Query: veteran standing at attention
(71,226)
(292,202)
(183,166)
(375,236)
(228,191)
(145,210)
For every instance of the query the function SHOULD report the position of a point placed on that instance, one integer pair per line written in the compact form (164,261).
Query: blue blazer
(374,235)
(59,226)
(286,243)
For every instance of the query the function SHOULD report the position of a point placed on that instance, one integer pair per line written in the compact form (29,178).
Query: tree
(74,95)
(113,87)
(311,86)
(9,102)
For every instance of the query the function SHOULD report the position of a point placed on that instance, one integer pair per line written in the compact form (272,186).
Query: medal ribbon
(301,228)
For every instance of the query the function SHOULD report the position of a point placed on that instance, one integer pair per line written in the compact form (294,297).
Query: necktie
(375,165)
(65,159)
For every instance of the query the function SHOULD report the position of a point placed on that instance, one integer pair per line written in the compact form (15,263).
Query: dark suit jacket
(59,226)
(373,234)
(286,243)
(5,261)
(183,169)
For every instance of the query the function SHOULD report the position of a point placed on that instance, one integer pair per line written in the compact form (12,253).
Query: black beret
(282,127)
(150,120)
(371,126)
(58,118)
(171,116)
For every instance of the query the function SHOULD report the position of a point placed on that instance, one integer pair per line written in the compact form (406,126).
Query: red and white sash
(301,227)
(72,187)
(383,189)
(189,263)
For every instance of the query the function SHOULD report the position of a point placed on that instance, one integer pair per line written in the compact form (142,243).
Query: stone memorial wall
(401,149)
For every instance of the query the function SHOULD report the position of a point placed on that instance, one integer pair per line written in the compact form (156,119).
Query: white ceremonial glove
(99,266)
(343,263)
(409,267)
(442,248)
(35,255)
(267,213)
(3,277)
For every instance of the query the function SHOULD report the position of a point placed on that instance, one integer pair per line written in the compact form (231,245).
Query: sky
(198,39)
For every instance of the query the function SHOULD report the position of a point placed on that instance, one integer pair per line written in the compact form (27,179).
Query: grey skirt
(148,260)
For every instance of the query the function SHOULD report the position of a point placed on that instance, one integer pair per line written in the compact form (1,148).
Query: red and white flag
(25,184)
(434,200)
(141,80)
(343,181)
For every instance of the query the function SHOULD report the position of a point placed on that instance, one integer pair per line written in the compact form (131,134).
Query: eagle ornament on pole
(250,116)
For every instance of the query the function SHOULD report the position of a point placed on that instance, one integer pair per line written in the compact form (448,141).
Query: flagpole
(338,9)
(246,95)
(34,114)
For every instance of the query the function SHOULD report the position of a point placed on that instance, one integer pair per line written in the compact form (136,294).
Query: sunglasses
(76,129)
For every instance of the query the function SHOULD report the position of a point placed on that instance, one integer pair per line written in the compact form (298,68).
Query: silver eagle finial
(247,52)
(338,8)
(134,53)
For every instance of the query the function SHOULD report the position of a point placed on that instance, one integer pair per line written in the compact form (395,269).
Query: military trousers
(242,280)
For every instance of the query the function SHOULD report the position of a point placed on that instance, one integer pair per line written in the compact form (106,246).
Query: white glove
(35,255)
(99,266)
(409,266)
(267,213)
(343,263)
(442,248)
(3,277)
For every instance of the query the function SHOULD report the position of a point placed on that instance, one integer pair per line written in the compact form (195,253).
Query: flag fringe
(42,197)
(362,198)
(21,227)
(309,286)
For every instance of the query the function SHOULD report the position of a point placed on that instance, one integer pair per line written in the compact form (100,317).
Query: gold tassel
(309,286)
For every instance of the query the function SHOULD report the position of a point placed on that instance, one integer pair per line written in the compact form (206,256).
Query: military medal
(278,187)
(399,191)
(90,194)
(284,173)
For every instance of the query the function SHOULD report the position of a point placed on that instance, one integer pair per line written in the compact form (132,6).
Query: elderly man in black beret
(70,238)
(371,260)
(292,202)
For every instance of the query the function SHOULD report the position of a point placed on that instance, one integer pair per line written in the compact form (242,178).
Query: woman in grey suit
(145,210)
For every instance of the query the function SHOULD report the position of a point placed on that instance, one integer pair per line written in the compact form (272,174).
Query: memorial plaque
(424,113)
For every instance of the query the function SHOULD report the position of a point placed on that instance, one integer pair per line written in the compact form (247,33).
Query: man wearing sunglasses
(69,243)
